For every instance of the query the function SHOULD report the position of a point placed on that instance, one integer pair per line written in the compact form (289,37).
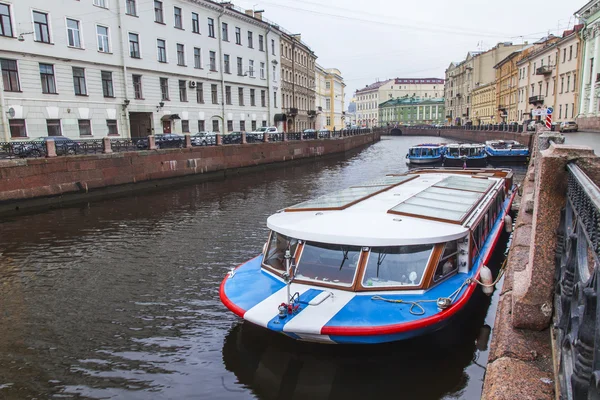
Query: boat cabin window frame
(294,254)
(438,278)
(484,226)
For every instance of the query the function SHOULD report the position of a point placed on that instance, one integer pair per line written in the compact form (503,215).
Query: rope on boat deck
(442,302)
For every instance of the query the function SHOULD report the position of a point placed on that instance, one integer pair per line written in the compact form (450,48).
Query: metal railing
(123,144)
(577,296)
(515,128)
(31,149)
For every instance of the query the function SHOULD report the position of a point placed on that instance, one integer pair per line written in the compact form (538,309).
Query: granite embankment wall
(470,136)
(37,182)
(520,363)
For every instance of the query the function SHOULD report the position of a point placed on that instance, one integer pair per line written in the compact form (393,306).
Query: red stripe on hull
(225,300)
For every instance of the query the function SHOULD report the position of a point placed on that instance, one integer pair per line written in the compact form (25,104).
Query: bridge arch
(396,132)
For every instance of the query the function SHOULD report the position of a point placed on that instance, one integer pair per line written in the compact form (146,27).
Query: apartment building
(367,104)
(463,77)
(330,88)
(484,104)
(506,87)
(134,68)
(548,77)
(298,83)
(588,100)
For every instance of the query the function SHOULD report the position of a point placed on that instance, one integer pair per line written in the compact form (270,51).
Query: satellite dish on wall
(11,112)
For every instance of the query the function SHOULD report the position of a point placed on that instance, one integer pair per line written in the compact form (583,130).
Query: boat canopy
(368,215)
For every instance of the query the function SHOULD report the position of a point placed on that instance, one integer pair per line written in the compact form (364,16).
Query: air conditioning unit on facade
(192,84)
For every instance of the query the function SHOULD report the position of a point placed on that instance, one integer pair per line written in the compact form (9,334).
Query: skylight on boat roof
(352,195)
(450,200)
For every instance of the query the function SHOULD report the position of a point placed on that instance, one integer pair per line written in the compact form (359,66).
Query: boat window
(328,263)
(396,266)
(448,263)
(278,244)
(461,183)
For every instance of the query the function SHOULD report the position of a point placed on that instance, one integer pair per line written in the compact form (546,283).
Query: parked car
(309,134)
(170,140)
(204,139)
(568,126)
(324,133)
(232,138)
(259,134)
(64,146)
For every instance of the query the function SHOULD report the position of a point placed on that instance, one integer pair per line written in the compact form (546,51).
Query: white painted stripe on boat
(262,313)
(312,318)
(315,338)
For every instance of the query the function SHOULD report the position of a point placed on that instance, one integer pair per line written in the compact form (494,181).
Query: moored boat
(466,155)
(378,262)
(426,153)
(506,151)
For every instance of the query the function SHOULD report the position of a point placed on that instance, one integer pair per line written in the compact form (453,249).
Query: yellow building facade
(484,104)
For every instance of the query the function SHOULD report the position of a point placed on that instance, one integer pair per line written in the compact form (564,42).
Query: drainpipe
(220,39)
(269,83)
(125,77)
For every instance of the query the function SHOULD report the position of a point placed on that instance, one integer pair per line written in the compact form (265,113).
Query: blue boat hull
(471,162)
(425,160)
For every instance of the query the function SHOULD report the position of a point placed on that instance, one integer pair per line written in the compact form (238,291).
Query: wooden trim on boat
(362,267)
(438,252)
(353,202)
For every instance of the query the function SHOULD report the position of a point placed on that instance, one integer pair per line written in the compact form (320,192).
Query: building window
(226,62)
(213,94)
(572,110)
(158,12)
(41,30)
(229,125)
(263,98)
(568,82)
(180,54)
(197,58)
(195,23)
(178,18)
(328,121)
(238,35)
(225,31)
(251,68)
(200,125)
(241,96)
(261,44)
(273,46)
(274,99)
(130,7)
(570,52)
(328,104)
(107,84)
(215,125)
(5,21)
(562,84)
(560,111)
(53,126)
(566,110)
(137,86)
(252,97)
(228,95)
(574,80)
(79,81)
(134,45)
(213,60)
(262,70)
(327,85)
(85,127)
(240,66)
(113,129)
(242,126)
(162,50)
(164,88)
(182,91)
(100,3)
(199,93)
(73,33)
(10,75)
(264,123)
(211,28)
(250,40)
(253,125)
(47,75)
(185,126)
(274,73)
(102,32)
(17,128)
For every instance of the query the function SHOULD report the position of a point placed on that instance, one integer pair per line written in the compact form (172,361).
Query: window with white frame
(161,46)
(134,45)
(10,75)
(180,54)
(73,33)
(103,41)
(178,17)
(101,3)
(79,81)
(197,58)
(158,12)
(130,7)
(251,68)
(262,70)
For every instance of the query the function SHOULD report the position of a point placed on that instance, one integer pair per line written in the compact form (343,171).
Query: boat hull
(471,162)
(508,159)
(425,160)
(348,317)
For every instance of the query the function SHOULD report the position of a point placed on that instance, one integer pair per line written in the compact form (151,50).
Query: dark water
(119,299)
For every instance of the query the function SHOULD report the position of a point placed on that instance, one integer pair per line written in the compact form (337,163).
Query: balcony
(539,99)
(312,113)
(544,70)
(292,112)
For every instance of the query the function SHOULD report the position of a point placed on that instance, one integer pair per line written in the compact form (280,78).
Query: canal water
(119,299)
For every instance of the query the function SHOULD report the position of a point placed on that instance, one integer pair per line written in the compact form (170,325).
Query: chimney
(249,12)
(258,15)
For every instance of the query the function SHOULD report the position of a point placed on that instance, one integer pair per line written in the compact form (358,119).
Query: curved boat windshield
(397,266)
(278,244)
(328,263)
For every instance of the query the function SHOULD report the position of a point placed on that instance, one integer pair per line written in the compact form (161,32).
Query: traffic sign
(549,110)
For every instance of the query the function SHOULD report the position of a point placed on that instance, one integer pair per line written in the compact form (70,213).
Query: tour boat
(465,155)
(426,153)
(382,261)
(506,151)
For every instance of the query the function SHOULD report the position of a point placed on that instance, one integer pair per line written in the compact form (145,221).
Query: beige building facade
(463,77)
(484,104)
(330,90)
(367,104)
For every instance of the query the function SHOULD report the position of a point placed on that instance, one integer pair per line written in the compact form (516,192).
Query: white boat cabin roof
(428,145)
(466,145)
(414,208)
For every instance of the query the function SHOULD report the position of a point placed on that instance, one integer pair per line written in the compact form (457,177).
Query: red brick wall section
(32,178)
(469,136)
(591,124)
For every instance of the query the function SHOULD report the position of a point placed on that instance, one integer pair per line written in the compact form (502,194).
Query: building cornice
(589,9)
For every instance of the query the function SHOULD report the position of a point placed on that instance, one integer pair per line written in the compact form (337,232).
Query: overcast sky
(380,39)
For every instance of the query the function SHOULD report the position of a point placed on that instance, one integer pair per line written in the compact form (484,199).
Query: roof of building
(405,101)
(418,80)
(373,86)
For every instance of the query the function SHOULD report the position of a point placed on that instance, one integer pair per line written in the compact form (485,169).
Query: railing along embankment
(521,363)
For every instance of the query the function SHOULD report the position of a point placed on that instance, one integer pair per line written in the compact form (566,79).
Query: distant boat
(381,261)
(465,155)
(507,151)
(426,153)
